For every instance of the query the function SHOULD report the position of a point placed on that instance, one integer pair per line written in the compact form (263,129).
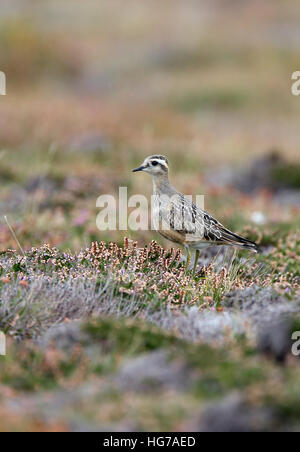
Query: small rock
(63,336)
(234,414)
(152,371)
(274,338)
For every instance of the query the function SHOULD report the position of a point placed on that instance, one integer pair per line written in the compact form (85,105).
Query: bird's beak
(139,168)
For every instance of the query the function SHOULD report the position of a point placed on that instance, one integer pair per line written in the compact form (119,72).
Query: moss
(23,371)
(126,336)
(239,375)
(220,372)
(287,175)
(29,368)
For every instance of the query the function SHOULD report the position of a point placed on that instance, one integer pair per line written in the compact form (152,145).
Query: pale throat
(160,182)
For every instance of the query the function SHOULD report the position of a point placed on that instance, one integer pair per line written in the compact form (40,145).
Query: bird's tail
(236,240)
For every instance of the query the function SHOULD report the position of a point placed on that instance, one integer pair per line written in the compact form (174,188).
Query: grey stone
(234,414)
(152,371)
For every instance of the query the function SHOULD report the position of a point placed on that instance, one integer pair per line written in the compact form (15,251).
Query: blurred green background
(94,87)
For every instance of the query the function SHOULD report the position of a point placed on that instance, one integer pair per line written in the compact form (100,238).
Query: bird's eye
(154,163)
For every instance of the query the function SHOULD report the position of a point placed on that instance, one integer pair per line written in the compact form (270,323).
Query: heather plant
(46,286)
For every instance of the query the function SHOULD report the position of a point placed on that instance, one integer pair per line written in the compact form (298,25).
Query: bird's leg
(188,257)
(197,254)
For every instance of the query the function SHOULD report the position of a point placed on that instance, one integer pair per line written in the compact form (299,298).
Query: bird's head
(156,165)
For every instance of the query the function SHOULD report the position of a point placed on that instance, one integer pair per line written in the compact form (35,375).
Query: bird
(180,220)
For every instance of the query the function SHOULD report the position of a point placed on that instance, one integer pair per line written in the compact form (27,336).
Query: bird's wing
(197,225)
(180,214)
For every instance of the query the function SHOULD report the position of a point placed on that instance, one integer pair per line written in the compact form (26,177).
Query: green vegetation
(106,332)
(101,349)
(287,175)
(223,99)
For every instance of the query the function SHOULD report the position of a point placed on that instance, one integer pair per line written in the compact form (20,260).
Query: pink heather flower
(81,218)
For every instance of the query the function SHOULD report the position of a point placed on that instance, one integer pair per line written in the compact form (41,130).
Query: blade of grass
(13,234)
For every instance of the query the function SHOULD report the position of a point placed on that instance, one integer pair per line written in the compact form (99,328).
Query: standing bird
(179,220)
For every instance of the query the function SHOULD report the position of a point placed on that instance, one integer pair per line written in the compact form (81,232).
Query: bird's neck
(161,184)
